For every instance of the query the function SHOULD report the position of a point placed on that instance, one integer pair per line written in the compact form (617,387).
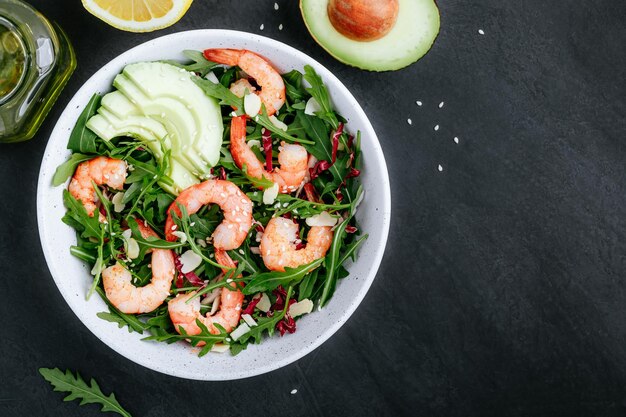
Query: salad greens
(112,235)
(78,389)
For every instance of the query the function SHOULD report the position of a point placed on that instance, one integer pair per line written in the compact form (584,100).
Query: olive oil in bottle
(36,60)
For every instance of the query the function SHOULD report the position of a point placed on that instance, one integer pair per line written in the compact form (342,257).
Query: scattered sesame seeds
(280,27)
(436,128)
(419,103)
(262,27)
(456,140)
(481,32)
(293,391)
(409,121)
(441,104)
(439,167)
(275,6)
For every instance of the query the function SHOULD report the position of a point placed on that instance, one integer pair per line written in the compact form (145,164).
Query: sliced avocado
(161,106)
(108,126)
(176,118)
(117,103)
(409,39)
(149,76)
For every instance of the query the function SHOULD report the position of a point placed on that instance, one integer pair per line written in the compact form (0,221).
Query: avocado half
(412,35)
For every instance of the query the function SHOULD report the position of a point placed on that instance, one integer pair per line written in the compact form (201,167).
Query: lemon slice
(138,15)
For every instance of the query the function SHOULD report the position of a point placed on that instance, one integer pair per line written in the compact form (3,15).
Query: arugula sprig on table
(78,389)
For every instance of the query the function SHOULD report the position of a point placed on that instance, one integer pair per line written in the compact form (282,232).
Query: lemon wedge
(138,15)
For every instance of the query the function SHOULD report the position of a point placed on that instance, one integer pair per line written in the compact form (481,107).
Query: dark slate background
(502,291)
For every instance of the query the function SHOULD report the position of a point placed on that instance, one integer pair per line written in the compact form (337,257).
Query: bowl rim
(385,205)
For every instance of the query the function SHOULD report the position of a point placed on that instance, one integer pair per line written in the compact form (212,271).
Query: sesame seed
(275,6)
(192,224)
(293,391)
(456,140)
(241,252)
(441,104)
(174,227)
(280,27)
(436,128)
(481,32)
(222,195)
(439,167)
(409,121)
(419,103)
(262,27)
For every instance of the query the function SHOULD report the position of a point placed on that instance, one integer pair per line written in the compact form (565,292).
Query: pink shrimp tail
(224,56)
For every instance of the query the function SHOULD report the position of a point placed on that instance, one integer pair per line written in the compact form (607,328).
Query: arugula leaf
(130,320)
(265,323)
(82,139)
(323,146)
(332,261)
(261,183)
(268,281)
(264,120)
(200,64)
(88,226)
(78,389)
(293,86)
(307,284)
(320,93)
(218,91)
(205,336)
(66,169)
(83,254)
(351,249)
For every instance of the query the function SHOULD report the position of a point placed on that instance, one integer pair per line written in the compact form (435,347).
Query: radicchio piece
(351,229)
(267,148)
(250,308)
(222,173)
(350,141)
(311,193)
(353,173)
(191,276)
(287,324)
(335,140)
(318,168)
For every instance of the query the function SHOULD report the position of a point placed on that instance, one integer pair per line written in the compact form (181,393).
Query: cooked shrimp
(100,170)
(237,208)
(184,314)
(279,250)
(293,159)
(272,92)
(134,300)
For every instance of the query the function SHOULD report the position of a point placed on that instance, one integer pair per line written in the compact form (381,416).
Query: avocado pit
(363,20)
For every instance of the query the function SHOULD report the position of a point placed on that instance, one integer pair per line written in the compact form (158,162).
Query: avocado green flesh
(410,38)
(176,118)
(163,108)
(204,110)
(107,126)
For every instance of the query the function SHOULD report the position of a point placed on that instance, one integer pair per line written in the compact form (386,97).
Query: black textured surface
(503,289)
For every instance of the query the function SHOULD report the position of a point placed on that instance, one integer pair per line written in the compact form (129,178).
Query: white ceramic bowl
(72,276)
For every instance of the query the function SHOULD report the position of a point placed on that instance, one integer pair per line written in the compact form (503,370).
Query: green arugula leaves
(78,389)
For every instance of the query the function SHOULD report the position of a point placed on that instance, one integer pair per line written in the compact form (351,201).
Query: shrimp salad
(217,212)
